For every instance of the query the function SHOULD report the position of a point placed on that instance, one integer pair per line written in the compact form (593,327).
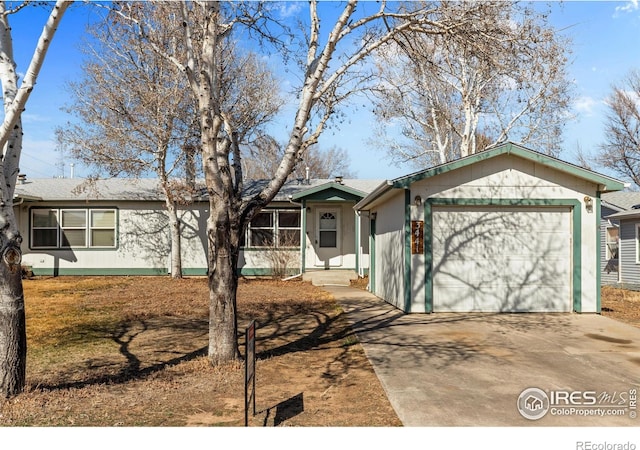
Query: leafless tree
(152,126)
(620,152)
(141,130)
(330,71)
(262,158)
(501,76)
(13,342)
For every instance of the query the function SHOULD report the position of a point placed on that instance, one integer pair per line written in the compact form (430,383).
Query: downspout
(302,237)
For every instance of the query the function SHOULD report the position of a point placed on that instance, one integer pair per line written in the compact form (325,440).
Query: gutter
(378,192)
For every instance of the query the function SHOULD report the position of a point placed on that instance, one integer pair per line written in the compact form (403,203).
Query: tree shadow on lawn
(145,345)
(151,345)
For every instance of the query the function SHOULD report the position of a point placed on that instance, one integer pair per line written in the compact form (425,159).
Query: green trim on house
(195,271)
(576,209)
(509,148)
(107,271)
(303,237)
(407,249)
(356,221)
(428,257)
(372,255)
(598,213)
(254,272)
(331,191)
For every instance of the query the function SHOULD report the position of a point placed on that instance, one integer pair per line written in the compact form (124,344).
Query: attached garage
(501,258)
(505,230)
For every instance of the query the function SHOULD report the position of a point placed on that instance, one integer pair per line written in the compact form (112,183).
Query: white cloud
(630,6)
(585,105)
(290,9)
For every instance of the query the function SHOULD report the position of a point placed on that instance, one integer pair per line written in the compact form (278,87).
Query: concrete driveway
(471,369)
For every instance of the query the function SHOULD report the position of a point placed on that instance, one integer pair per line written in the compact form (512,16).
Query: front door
(328,248)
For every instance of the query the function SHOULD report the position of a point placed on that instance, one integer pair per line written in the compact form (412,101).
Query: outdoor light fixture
(588,202)
(417,200)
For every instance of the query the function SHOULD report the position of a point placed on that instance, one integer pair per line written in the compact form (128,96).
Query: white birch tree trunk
(13,342)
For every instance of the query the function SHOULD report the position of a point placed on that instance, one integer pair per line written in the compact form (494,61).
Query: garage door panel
(488,259)
(545,269)
(480,296)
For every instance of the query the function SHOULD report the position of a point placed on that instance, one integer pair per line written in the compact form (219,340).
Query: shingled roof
(148,189)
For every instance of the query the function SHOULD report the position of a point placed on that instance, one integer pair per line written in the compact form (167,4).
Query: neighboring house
(119,227)
(504,230)
(620,238)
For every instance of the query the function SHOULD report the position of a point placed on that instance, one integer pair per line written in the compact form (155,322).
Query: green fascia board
(576,212)
(330,191)
(104,271)
(509,148)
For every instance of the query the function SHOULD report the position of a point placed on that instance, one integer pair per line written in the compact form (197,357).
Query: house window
(612,243)
(638,243)
(328,230)
(103,228)
(73,228)
(288,228)
(44,228)
(275,228)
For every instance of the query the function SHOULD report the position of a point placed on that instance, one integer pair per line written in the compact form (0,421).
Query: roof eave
(604,183)
(378,192)
(332,184)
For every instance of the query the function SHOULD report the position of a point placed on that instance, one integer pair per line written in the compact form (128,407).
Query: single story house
(119,227)
(620,238)
(504,230)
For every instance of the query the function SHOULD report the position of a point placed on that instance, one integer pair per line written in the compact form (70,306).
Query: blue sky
(606,46)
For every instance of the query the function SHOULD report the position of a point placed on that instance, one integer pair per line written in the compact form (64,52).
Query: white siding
(389,251)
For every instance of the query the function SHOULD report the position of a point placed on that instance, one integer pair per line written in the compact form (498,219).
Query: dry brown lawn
(131,351)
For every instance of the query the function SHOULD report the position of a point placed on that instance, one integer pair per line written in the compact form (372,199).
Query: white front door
(327,242)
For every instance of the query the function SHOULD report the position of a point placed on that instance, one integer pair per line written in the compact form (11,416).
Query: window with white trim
(73,228)
(611,242)
(274,228)
(638,243)
(612,234)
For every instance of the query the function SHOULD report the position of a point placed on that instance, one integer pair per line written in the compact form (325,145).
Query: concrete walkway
(470,369)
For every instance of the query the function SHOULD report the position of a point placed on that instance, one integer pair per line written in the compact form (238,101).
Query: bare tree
(502,76)
(137,131)
(151,127)
(620,152)
(331,71)
(262,158)
(13,342)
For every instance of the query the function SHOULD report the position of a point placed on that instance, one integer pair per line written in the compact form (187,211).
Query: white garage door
(501,259)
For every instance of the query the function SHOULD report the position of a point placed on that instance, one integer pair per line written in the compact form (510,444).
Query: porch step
(330,277)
